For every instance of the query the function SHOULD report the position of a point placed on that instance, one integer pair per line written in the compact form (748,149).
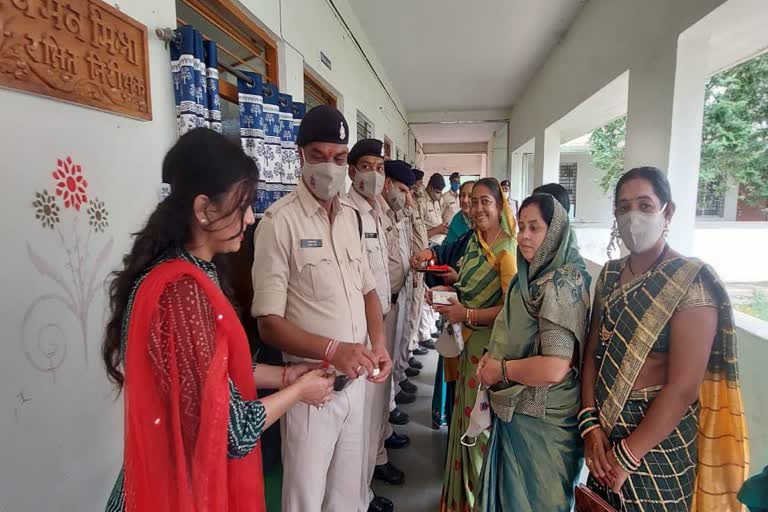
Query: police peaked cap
(437,181)
(399,171)
(323,124)
(366,147)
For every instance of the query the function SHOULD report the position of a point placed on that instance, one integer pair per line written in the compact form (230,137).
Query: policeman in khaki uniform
(450,201)
(366,170)
(420,241)
(432,213)
(392,201)
(315,299)
(432,210)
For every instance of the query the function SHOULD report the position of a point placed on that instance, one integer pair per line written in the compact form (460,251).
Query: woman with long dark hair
(175,347)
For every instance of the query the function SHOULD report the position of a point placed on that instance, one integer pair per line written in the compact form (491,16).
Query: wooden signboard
(81,51)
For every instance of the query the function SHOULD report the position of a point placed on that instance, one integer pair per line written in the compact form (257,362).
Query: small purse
(588,500)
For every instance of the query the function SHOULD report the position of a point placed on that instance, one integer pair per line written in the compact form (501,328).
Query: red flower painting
(70,184)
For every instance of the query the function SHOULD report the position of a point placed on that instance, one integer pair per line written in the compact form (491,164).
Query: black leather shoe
(411,372)
(420,352)
(397,441)
(408,387)
(389,474)
(381,504)
(428,344)
(398,417)
(404,398)
(415,363)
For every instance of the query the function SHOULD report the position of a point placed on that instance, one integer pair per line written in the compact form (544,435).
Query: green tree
(734,136)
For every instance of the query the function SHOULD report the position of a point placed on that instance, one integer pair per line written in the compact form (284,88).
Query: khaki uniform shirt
(375,244)
(432,213)
(419,239)
(398,246)
(450,205)
(312,271)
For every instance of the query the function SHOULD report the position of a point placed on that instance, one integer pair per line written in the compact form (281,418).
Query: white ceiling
(455,133)
(458,55)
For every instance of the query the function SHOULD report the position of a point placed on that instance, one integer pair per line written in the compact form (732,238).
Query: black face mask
(340,382)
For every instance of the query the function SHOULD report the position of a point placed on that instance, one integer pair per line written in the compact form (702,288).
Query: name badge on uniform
(371,235)
(311,243)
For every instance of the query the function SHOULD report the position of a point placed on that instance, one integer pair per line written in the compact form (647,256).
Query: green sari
(484,275)
(535,452)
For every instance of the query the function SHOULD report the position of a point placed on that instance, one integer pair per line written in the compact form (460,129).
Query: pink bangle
(588,430)
(629,452)
(330,351)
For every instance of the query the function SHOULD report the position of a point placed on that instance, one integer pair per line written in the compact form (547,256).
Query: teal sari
(442,397)
(458,226)
(535,453)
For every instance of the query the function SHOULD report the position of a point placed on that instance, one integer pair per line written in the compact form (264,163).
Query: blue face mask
(455,186)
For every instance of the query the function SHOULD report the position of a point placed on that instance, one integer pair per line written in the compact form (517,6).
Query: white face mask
(640,230)
(368,184)
(479,419)
(395,199)
(324,179)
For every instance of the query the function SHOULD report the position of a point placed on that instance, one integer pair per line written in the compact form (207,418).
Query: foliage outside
(734,139)
(757,306)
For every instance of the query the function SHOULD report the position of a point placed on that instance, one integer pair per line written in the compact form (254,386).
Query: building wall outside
(61,421)
(592,204)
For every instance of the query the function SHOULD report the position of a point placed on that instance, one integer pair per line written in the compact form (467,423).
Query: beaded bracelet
(625,458)
(504,377)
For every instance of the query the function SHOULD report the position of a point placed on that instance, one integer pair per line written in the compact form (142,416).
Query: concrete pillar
(547,157)
(664,121)
(731,203)
(516,173)
(685,141)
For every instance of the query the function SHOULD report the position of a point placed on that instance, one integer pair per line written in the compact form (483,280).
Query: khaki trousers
(376,423)
(322,452)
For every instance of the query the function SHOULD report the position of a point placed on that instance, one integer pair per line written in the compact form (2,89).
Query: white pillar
(547,157)
(664,122)
(731,203)
(516,176)
(685,140)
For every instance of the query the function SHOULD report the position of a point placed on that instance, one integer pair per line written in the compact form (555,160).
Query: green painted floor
(422,461)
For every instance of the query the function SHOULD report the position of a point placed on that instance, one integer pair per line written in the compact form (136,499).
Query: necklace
(498,234)
(655,263)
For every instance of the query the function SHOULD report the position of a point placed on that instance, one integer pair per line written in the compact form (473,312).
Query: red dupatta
(176,461)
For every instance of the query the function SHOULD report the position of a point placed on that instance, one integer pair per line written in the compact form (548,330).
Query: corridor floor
(423,460)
